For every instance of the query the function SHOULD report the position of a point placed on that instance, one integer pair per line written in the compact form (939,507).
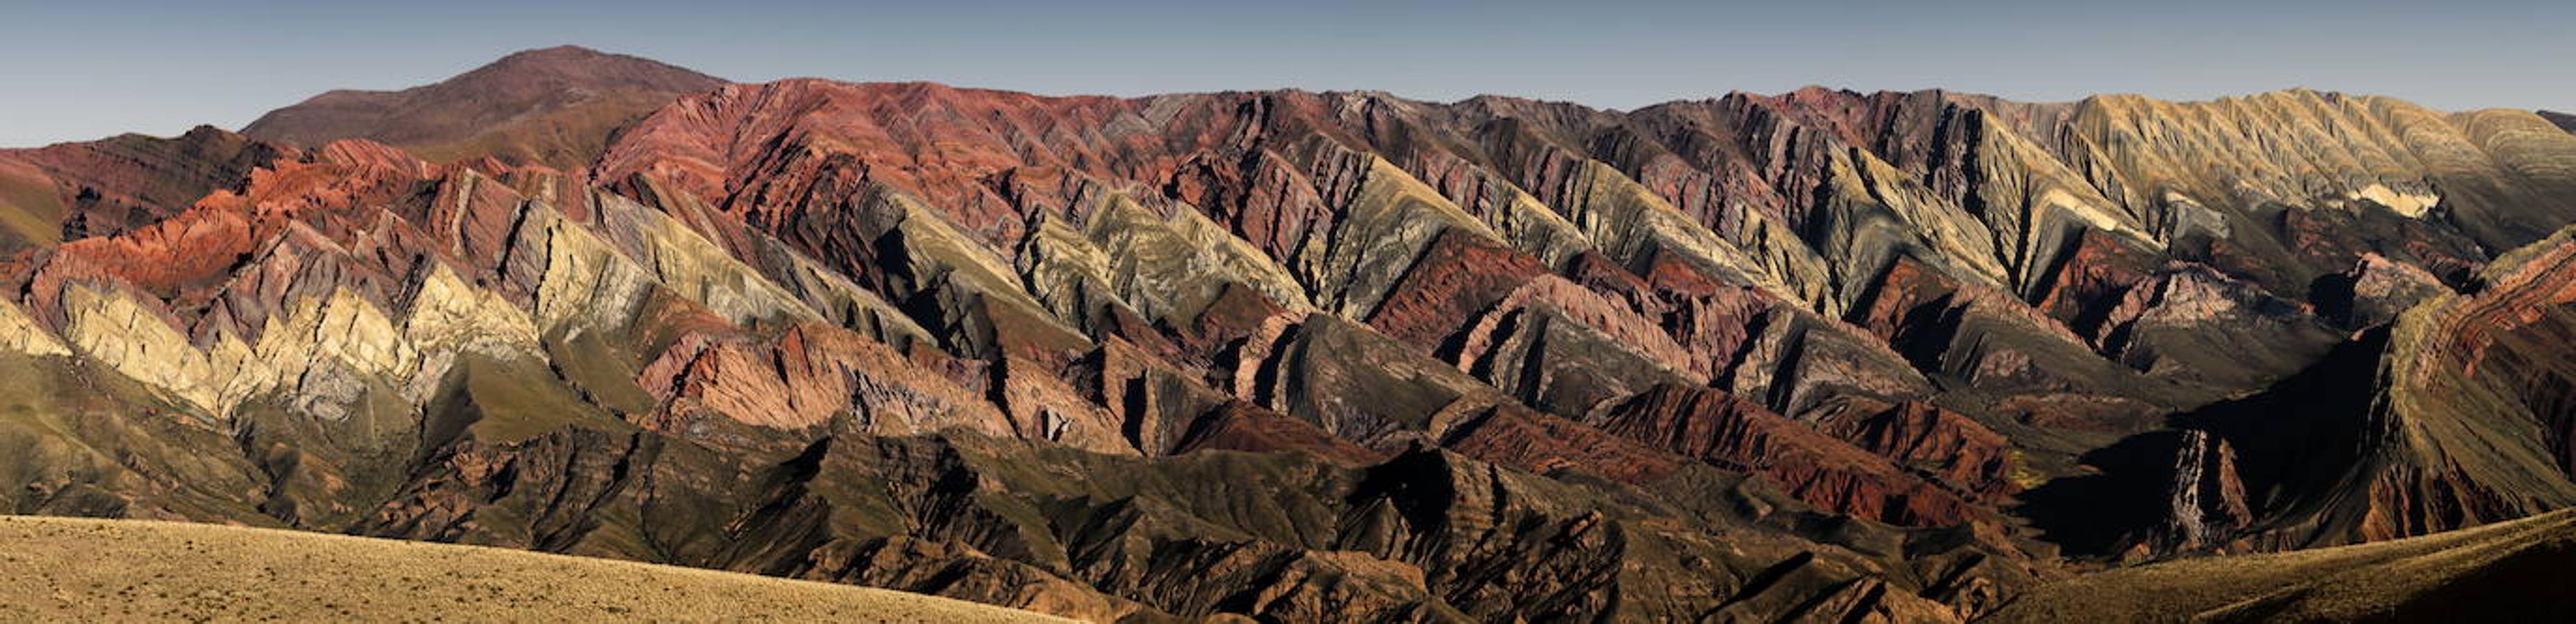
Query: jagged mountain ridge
(2173,301)
(76,190)
(1796,355)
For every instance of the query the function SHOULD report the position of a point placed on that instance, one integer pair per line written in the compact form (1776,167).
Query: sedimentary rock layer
(1304,356)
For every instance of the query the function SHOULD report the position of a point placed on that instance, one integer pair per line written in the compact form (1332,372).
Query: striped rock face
(1304,356)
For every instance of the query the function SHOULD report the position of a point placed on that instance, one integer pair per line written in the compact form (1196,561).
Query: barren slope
(555,106)
(136,570)
(1335,356)
(2506,571)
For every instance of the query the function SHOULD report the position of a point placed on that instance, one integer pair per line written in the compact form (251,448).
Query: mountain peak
(557,57)
(1899,355)
(589,66)
(561,51)
(554,106)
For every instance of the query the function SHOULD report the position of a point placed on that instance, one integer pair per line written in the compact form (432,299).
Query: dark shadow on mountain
(2095,514)
(2292,442)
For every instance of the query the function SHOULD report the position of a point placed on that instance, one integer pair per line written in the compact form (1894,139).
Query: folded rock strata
(1305,356)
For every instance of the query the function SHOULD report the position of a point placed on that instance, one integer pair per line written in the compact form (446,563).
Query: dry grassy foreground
(2520,571)
(70,569)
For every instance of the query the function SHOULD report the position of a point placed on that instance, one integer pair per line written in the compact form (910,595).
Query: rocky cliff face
(1324,355)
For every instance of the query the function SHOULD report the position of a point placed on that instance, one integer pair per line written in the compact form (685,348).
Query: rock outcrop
(1304,356)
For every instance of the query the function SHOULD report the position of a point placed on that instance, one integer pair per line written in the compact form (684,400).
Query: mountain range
(1302,356)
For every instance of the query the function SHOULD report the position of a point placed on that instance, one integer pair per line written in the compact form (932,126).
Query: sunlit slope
(65,569)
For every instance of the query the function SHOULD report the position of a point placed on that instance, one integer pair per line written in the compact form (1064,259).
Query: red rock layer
(1807,463)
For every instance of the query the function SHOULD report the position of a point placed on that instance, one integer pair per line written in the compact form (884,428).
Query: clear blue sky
(83,69)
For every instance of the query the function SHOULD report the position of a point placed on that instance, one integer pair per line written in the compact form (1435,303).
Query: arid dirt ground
(67,569)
